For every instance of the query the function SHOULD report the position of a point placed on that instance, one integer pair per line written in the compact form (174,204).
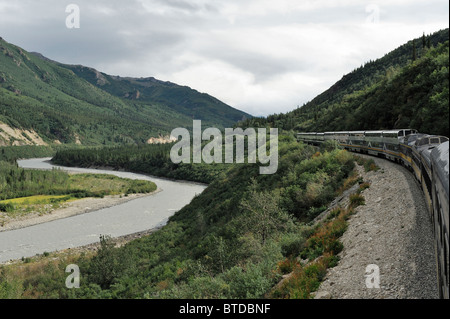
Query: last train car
(440,215)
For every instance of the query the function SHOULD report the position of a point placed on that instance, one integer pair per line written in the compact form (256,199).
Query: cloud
(261,56)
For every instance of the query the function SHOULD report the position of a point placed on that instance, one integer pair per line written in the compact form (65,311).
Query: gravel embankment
(392,231)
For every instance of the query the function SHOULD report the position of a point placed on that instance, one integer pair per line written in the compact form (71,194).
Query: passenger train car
(427,156)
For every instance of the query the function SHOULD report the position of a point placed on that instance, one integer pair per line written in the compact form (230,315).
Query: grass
(37,199)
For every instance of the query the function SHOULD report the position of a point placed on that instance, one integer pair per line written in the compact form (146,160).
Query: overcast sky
(260,56)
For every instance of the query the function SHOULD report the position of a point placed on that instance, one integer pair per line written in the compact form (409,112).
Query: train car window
(424,141)
(356,134)
(443,139)
(434,140)
(373,134)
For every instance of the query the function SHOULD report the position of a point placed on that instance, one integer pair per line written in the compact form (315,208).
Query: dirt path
(392,232)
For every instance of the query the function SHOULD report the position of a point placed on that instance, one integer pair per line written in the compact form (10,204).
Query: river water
(130,217)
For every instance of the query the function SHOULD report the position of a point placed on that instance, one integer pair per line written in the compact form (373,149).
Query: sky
(259,56)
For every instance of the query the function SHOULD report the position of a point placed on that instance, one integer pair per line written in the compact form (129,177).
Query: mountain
(46,102)
(180,99)
(408,87)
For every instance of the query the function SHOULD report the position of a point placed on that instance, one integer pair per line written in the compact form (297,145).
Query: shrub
(313,212)
(356,200)
(292,244)
(334,213)
(6,207)
(109,264)
(251,283)
(10,287)
(286,266)
(362,187)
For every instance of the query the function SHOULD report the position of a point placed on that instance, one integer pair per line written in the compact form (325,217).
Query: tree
(109,264)
(263,215)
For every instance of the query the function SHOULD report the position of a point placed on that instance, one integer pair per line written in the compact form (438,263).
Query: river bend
(134,216)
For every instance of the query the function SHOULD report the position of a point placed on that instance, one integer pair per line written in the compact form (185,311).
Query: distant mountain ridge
(78,104)
(181,99)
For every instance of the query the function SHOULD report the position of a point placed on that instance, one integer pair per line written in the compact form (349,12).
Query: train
(426,156)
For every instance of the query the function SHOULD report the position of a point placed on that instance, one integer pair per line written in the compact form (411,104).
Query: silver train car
(427,156)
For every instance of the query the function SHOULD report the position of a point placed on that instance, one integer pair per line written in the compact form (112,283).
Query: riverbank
(68,209)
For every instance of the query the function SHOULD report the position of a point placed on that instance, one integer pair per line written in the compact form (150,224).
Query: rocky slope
(391,231)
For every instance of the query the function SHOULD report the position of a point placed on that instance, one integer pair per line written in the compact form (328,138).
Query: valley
(224,230)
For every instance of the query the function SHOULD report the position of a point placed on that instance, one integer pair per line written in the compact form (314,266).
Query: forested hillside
(235,240)
(59,103)
(407,88)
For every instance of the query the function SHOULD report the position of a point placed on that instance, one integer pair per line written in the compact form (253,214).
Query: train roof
(440,160)
(412,138)
(427,140)
(392,131)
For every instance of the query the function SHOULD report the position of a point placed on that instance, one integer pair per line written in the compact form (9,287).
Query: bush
(313,212)
(6,207)
(251,283)
(292,244)
(10,287)
(109,264)
(286,266)
(357,200)
(362,187)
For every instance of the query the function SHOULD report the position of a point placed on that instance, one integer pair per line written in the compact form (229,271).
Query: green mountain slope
(69,104)
(395,91)
(180,99)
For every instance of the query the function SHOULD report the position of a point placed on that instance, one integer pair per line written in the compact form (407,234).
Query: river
(134,216)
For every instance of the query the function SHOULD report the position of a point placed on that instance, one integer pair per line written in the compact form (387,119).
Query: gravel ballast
(392,235)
